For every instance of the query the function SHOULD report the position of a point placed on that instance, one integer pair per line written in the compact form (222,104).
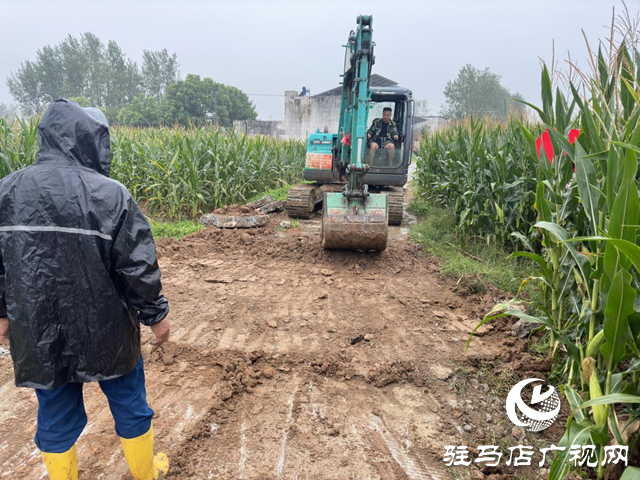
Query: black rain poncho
(78,268)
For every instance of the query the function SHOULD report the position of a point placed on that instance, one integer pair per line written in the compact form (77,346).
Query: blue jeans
(62,417)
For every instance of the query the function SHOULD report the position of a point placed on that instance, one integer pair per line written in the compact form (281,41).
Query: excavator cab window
(385,152)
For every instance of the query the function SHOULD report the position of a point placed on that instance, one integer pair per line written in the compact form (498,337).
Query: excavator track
(301,201)
(396,205)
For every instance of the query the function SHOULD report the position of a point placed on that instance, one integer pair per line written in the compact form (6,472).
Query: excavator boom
(355,218)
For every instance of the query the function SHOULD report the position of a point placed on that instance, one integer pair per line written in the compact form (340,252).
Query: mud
(288,361)
(235,210)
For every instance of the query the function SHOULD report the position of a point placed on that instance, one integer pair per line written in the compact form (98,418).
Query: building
(305,114)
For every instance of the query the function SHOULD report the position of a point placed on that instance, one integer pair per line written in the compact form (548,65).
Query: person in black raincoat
(78,275)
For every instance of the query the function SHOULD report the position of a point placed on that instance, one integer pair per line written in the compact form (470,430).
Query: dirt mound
(235,209)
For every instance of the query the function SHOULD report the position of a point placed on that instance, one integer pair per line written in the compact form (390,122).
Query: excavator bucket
(354,224)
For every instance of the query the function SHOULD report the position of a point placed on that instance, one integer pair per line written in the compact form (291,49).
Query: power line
(429,102)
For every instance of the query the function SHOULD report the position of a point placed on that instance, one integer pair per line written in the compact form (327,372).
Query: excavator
(360,188)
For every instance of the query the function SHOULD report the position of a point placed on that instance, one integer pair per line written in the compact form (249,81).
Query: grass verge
(275,193)
(178,229)
(436,232)
(182,228)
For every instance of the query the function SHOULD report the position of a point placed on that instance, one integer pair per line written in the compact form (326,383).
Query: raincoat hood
(69,134)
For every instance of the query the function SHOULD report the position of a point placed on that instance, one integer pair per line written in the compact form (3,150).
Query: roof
(376,81)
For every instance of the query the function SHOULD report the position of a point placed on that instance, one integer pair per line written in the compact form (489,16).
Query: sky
(267,47)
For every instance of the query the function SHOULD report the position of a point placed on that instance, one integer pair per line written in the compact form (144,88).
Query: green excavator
(360,188)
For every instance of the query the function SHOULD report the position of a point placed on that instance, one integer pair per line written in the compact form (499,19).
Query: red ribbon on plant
(545,140)
(573,135)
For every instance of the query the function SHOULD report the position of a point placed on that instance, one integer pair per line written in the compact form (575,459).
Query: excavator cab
(389,167)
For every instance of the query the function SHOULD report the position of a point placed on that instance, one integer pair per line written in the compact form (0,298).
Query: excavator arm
(355,97)
(355,218)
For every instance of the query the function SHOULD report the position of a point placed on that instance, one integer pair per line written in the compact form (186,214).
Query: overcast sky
(267,47)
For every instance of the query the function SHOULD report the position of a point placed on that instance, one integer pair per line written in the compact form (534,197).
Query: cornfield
(178,172)
(515,183)
(18,145)
(481,170)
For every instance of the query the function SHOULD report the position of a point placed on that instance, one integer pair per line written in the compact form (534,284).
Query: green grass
(182,228)
(275,193)
(436,231)
(279,193)
(177,229)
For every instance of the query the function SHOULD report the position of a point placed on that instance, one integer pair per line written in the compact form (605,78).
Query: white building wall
(304,115)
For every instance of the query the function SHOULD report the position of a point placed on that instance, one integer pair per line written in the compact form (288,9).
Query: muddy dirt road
(291,362)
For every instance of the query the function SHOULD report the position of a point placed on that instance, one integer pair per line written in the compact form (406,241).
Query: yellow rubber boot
(139,454)
(62,466)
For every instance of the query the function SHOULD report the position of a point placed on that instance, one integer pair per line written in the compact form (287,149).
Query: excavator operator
(383,132)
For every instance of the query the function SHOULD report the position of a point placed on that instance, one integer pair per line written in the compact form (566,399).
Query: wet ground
(291,362)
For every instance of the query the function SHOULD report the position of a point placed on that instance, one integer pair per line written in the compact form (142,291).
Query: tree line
(92,73)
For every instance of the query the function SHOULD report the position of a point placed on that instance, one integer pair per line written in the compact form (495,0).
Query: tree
(195,99)
(239,106)
(100,75)
(142,111)
(477,92)
(159,69)
(85,67)
(26,88)
(188,100)
(122,79)
(82,101)
(74,62)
